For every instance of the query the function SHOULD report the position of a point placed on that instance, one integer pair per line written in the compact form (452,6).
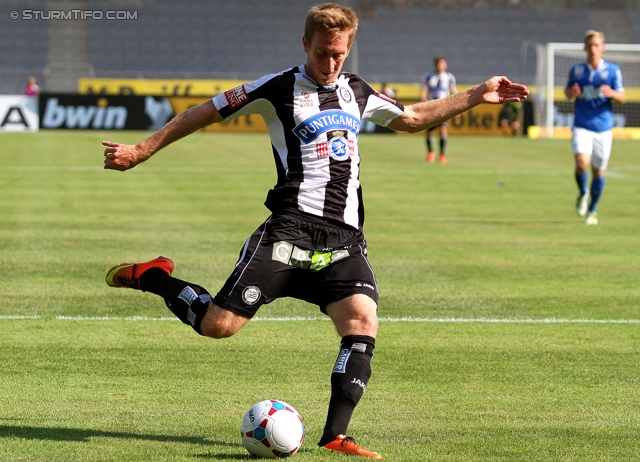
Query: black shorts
(291,255)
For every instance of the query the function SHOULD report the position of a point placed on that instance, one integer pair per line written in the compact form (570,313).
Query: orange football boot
(347,445)
(128,274)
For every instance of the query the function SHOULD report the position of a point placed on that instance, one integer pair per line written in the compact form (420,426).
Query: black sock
(189,302)
(348,382)
(443,146)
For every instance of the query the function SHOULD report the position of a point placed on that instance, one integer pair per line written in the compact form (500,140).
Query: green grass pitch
(510,330)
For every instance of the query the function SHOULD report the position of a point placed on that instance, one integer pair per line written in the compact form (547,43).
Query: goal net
(554,112)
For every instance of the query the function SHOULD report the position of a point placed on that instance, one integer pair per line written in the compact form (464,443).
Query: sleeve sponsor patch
(236,96)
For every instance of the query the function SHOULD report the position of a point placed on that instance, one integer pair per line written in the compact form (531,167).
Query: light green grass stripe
(317,318)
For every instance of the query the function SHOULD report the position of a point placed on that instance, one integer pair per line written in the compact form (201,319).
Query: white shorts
(595,144)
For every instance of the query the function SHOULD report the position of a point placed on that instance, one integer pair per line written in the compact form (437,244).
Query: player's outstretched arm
(126,156)
(497,90)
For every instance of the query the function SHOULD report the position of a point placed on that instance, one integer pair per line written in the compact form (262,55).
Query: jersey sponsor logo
(250,295)
(236,96)
(589,92)
(326,121)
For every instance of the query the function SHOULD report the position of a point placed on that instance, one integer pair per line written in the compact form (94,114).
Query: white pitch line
(319,318)
(514,321)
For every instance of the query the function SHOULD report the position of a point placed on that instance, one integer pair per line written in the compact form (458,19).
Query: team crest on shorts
(250,295)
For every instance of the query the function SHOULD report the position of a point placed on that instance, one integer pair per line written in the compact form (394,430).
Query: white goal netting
(554,112)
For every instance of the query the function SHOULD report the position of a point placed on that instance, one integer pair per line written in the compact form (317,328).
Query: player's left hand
(500,89)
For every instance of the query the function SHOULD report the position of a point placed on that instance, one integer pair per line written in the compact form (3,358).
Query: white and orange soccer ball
(272,429)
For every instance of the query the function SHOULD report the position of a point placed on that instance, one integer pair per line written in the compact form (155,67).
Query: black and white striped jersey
(314,137)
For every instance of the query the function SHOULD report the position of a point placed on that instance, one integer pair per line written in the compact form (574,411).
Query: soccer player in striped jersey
(595,85)
(312,246)
(438,84)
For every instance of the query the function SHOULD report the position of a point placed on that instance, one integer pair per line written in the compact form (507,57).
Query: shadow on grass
(81,435)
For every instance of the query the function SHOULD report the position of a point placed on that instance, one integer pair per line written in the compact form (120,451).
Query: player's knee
(217,329)
(220,323)
(365,324)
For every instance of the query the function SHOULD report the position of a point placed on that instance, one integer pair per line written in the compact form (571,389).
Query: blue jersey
(593,111)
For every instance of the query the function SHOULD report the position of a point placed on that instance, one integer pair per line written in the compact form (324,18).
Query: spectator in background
(438,84)
(595,85)
(32,89)
(510,118)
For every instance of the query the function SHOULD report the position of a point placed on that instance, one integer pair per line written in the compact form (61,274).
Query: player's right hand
(574,90)
(121,156)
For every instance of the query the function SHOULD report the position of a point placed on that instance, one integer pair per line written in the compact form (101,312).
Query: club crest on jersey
(345,94)
(236,96)
(326,121)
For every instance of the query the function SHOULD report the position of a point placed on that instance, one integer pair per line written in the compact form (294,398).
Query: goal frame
(551,48)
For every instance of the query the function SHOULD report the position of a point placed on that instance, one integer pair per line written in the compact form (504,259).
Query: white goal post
(554,60)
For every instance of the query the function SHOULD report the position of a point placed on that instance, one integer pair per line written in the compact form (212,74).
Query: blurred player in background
(388,91)
(312,247)
(595,85)
(510,118)
(438,84)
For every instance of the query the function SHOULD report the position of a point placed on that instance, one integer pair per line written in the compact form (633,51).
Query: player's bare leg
(221,323)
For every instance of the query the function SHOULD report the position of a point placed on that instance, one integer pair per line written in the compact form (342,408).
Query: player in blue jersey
(312,247)
(595,85)
(438,84)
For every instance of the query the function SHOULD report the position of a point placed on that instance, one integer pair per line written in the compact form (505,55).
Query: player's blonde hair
(592,33)
(332,18)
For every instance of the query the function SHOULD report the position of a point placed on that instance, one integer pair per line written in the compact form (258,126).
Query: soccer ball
(272,429)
